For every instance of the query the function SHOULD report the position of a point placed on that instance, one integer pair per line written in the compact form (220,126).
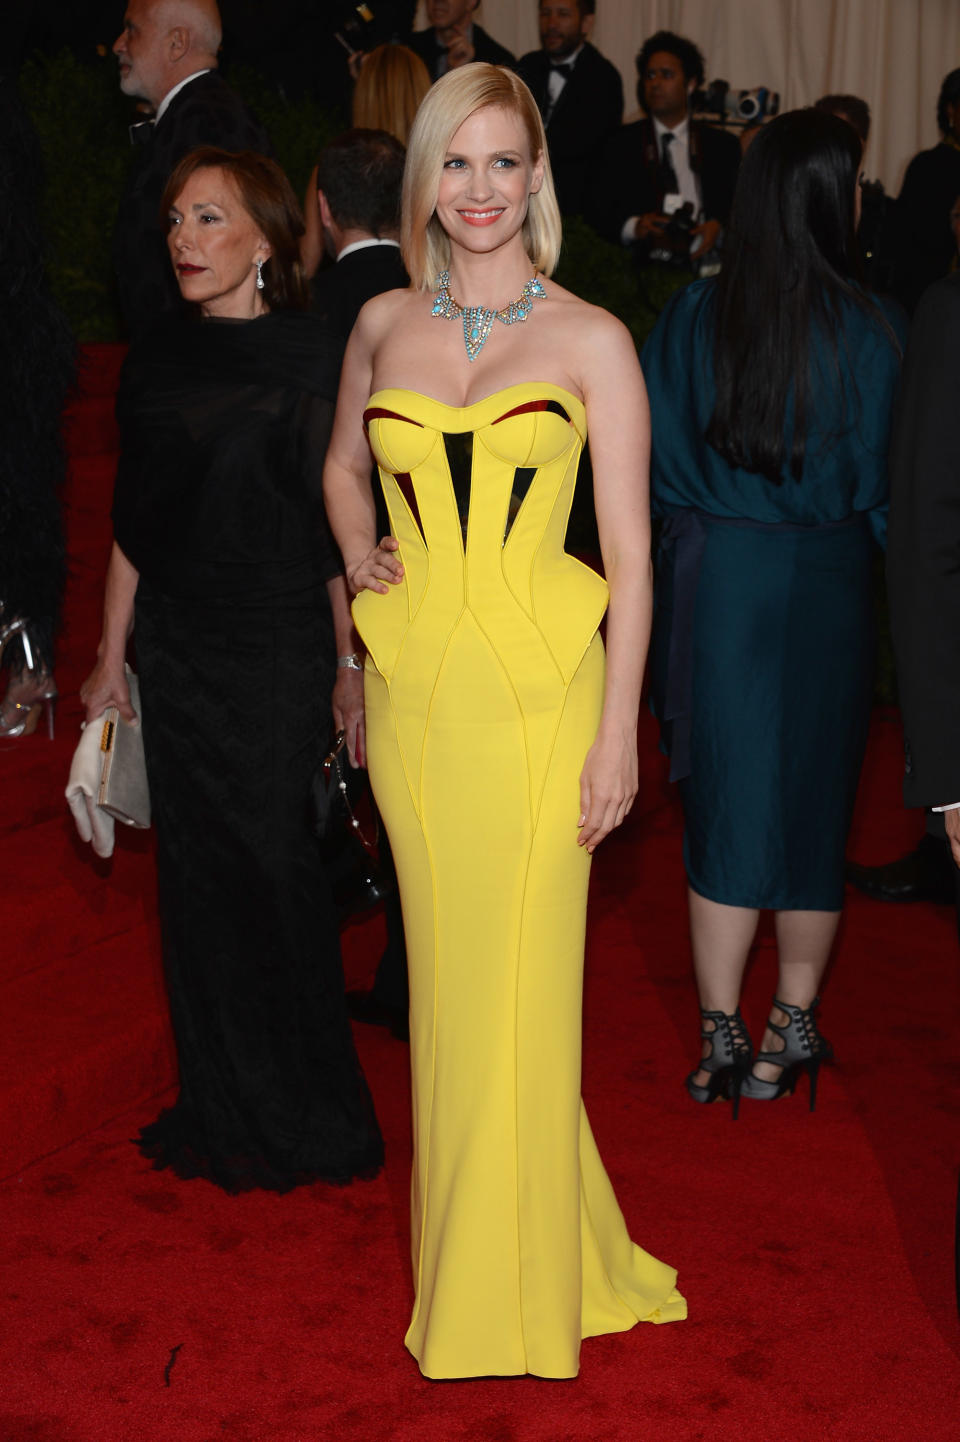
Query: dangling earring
(259,275)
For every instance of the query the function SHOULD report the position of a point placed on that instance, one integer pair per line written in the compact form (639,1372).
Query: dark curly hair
(689,55)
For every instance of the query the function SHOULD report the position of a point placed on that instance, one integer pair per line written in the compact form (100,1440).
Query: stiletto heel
(41,694)
(728,1061)
(803,1050)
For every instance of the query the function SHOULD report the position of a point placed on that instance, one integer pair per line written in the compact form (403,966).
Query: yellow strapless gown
(484,687)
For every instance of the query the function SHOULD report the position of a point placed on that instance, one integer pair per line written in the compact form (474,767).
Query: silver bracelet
(350,663)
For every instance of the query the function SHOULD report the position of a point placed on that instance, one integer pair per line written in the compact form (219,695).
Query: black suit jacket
(925,245)
(206,112)
(588,112)
(341,291)
(923,552)
(425,44)
(625,182)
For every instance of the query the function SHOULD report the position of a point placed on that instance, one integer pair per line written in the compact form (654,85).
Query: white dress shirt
(164,103)
(687,181)
(557,79)
(363,244)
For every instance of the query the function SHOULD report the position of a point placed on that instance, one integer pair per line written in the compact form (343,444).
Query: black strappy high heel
(728,1061)
(804,1050)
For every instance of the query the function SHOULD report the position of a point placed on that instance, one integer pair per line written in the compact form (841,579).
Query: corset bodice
(478,498)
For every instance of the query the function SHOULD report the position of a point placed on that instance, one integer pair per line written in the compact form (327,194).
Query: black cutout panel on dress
(410,496)
(522,477)
(459,449)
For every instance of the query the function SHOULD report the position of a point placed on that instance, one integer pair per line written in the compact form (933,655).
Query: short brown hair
(360,173)
(267,196)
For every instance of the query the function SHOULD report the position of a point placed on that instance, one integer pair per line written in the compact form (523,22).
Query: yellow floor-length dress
(484,687)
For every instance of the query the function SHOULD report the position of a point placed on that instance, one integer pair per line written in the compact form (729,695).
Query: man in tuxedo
(167,53)
(923,556)
(652,169)
(454,40)
(579,93)
(359,176)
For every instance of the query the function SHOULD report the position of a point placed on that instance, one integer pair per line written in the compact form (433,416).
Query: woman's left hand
(608,787)
(348,713)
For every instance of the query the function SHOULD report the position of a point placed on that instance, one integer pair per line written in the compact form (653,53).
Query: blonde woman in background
(501,740)
(390,85)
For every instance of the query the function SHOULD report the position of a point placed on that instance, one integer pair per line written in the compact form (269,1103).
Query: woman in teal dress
(770,391)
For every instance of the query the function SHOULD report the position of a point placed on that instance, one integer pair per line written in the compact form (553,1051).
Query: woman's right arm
(107,683)
(311,242)
(346,475)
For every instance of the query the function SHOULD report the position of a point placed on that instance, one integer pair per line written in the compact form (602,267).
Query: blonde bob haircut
(451,101)
(391,84)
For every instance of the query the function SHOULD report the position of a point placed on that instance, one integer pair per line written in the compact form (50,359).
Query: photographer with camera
(665,184)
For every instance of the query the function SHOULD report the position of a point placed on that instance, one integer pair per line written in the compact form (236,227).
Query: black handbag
(346,824)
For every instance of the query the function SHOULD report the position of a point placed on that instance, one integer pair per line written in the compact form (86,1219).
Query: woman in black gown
(224,568)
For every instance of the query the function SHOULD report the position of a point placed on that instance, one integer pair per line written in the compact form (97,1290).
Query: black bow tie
(142,132)
(565,65)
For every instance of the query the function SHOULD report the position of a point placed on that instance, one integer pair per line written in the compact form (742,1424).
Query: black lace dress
(224,428)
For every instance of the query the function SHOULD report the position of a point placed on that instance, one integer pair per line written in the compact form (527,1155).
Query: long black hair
(790,260)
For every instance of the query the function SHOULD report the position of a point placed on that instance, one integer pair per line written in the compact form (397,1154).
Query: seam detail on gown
(428,1139)
(516,1072)
(513,690)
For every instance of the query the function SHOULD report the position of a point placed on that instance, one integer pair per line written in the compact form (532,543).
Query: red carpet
(815,1251)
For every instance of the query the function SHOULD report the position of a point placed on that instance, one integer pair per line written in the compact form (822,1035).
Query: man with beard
(579,93)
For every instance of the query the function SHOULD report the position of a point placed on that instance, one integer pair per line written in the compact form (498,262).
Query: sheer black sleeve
(315,423)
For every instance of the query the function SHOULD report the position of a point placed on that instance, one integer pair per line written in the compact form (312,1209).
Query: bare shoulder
(384,311)
(597,330)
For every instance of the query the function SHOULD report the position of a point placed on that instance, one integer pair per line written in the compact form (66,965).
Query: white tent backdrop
(893,53)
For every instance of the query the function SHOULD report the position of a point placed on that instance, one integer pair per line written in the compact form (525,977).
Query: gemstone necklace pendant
(477,319)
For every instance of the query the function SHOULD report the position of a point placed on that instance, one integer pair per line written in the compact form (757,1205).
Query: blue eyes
(503,162)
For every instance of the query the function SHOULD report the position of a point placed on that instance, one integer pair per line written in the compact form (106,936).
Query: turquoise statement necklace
(477,319)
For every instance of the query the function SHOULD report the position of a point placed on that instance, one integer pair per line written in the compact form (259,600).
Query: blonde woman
(390,84)
(388,91)
(501,744)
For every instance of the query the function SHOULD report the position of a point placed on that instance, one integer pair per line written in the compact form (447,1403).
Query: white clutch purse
(108,777)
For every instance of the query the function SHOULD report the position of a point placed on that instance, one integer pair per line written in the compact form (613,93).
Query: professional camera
(736,107)
(676,233)
(672,243)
